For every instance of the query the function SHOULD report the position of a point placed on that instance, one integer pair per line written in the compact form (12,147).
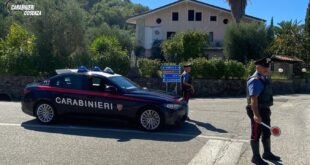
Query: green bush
(250,69)
(107,52)
(185,45)
(18,52)
(234,69)
(149,68)
(210,69)
(201,68)
(216,68)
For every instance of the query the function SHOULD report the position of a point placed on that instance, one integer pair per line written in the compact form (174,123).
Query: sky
(280,10)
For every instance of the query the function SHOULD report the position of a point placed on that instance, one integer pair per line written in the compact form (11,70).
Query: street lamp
(304,70)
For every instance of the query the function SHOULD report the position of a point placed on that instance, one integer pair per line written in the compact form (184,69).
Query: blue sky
(279,9)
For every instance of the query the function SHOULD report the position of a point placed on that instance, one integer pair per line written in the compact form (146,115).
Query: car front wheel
(45,113)
(150,120)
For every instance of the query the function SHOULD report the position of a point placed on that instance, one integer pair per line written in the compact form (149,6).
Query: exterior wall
(140,32)
(167,25)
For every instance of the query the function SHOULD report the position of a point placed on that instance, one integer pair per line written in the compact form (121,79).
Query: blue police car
(101,93)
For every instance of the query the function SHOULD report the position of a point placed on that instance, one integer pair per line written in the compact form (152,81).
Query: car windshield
(124,83)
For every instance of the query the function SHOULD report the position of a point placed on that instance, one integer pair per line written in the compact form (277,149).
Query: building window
(210,36)
(158,20)
(198,16)
(225,21)
(175,16)
(191,15)
(213,18)
(170,34)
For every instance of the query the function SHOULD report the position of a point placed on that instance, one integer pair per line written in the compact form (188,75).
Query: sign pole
(176,88)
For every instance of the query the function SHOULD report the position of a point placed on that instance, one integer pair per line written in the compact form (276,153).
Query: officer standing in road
(259,96)
(186,81)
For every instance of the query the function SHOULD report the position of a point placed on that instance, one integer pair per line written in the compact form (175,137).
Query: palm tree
(237,8)
(289,39)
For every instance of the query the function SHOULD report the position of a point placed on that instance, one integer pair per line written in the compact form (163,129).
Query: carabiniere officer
(260,98)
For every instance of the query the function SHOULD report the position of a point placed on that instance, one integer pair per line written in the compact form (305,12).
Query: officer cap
(265,62)
(187,65)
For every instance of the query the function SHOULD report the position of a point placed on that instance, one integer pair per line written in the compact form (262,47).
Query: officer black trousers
(186,94)
(257,129)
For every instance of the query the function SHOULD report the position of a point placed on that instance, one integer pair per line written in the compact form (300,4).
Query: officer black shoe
(256,159)
(268,155)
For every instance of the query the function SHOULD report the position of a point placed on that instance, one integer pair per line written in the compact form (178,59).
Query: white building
(184,15)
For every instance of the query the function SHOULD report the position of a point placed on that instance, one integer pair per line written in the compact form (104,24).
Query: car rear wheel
(45,113)
(150,120)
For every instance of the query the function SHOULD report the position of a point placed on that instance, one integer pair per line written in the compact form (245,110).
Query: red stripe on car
(63,90)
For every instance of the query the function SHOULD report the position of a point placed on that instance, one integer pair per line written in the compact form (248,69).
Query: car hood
(153,95)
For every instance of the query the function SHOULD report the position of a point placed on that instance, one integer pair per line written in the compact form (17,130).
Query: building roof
(133,19)
(289,59)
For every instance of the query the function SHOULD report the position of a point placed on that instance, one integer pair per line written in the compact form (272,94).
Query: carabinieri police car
(95,92)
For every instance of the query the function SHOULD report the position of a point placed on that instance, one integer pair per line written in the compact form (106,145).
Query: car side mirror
(111,89)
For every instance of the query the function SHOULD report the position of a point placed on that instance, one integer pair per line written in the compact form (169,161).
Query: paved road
(217,134)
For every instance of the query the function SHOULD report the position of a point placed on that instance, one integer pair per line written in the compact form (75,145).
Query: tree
(289,39)
(107,52)
(113,12)
(17,52)
(307,35)
(243,42)
(270,32)
(307,20)
(185,45)
(61,40)
(237,8)
(66,29)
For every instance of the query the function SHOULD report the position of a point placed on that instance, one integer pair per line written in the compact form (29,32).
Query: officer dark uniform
(260,98)
(186,82)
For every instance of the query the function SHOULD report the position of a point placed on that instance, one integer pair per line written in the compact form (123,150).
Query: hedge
(149,68)
(202,68)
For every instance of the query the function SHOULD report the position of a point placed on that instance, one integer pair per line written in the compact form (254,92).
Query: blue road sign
(171,73)
(171,80)
(171,76)
(174,67)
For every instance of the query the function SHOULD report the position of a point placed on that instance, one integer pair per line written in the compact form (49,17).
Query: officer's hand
(257,119)
(193,90)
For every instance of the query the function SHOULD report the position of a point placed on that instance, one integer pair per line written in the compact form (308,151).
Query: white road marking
(218,152)
(121,130)
(287,105)
(231,155)
(208,153)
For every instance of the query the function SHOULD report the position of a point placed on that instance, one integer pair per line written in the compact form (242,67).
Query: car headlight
(173,106)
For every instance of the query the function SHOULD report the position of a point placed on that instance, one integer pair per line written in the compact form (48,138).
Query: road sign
(172,67)
(171,73)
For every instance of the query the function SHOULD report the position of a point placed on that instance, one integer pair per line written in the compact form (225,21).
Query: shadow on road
(208,126)
(276,163)
(115,129)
